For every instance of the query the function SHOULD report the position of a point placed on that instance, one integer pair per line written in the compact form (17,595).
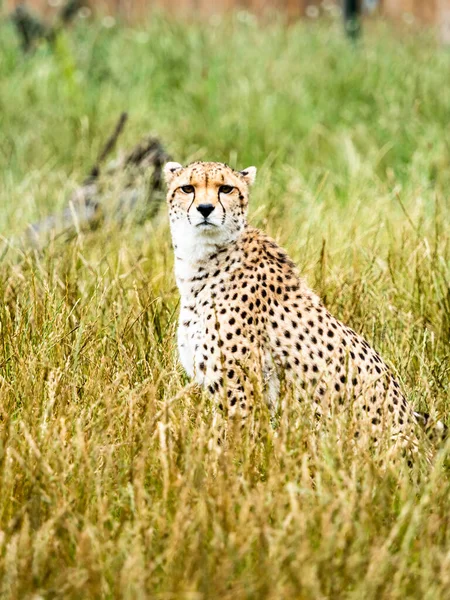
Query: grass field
(107,486)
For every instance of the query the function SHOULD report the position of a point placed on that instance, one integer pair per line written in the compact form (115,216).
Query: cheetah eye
(187,189)
(226,189)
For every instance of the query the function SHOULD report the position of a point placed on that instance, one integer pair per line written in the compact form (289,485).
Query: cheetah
(248,320)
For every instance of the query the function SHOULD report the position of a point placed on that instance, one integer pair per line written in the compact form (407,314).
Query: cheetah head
(207,201)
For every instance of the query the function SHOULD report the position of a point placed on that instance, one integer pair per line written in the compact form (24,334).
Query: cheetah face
(207,201)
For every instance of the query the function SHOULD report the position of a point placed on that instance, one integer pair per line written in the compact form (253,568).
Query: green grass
(107,486)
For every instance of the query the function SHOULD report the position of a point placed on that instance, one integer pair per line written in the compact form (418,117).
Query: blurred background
(277,82)
(430,12)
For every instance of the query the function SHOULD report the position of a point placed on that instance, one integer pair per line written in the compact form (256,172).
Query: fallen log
(129,187)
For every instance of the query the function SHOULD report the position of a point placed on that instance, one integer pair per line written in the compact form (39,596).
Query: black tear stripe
(189,208)
(223,207)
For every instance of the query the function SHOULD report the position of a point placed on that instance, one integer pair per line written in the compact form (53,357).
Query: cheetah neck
(192,252)
(194,256)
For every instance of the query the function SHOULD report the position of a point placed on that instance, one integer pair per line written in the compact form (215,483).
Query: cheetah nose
(205,209)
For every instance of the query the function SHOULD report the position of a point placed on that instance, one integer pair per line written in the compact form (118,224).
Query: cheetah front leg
(231,380)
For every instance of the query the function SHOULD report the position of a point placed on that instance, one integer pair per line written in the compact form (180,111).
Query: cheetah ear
(249,175)
(170,170)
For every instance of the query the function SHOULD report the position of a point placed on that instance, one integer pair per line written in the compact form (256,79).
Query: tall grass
(108,487)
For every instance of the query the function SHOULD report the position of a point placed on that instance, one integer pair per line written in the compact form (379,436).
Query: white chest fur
(191,326)
(193,268)
(187,340)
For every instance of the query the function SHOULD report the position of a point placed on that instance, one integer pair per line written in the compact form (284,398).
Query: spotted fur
(248,320)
